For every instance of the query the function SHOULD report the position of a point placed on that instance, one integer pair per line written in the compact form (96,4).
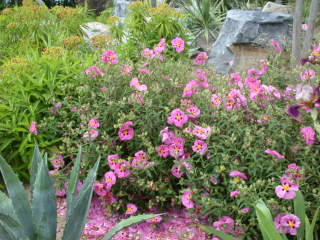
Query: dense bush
(50,52)
(246,115)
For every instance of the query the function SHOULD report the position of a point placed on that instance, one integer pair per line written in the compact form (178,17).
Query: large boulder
(245,39)
(95,29)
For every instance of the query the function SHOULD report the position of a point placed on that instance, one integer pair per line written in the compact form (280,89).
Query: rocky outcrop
(245,39)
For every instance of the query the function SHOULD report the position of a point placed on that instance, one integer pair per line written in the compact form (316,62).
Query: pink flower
(147,53)
(143,70)
(163,151)
(309,135)
(131,209)
(277,223)
(276,46)
(176,171)
(176,150)
(178,44)
(294,172)
(93,71)
(235,100)
(99,189)
(122,169)
(140,160)
(234,194)
(193,112)
(290,223)
(91,134)
(190,88)
(93,123)
(215,100)
(239,174)
(125,133)
(57,160)
(225,224)
(201,58)
(160,47)
(109,57)
(308,74)
(156,219)
(287,189)
(199,146)
(126,70)
(113,161)
(109,179)
(202,133)
(274,153)
(186,199)
(177,118)
(135,83)
(245,210)
(304,27)
(33,128)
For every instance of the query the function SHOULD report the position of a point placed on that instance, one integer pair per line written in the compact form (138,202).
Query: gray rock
(121,8)
(245,39)
(277,8)
(92,29)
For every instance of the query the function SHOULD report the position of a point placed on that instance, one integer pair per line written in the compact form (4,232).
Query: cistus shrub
(172,132)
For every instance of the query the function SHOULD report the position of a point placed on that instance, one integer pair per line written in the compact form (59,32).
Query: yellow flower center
(178,117)
(286,187)
(291,224)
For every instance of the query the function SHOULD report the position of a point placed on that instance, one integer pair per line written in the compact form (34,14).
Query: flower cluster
(227,225)
(93,132)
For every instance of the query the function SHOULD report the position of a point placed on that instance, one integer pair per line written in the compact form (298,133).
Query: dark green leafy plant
(20,219)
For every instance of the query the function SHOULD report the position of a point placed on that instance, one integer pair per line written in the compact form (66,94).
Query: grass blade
(5,233)
(79,210)
(18,197)
(44,204)
(128,222)
(313,223)
(308,226)
(300,212)
(73,181)
(217,233)
(265,222)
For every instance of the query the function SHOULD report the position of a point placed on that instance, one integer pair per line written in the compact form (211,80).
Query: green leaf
(217,233)
(308,226)
(313,223)
(8,218)
(36,160)
(265,222)
(5,233)
(44,204)
(71,191)
(18,197)
(300,212)
(128,222)
(79,210)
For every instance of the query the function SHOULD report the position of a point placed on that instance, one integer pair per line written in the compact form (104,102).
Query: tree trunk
(296,34)
(314,8)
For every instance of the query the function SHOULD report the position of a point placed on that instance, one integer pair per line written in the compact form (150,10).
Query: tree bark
(296,34)
(314,8)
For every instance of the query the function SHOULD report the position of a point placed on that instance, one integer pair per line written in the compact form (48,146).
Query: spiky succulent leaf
(18,197)
(5,232)
(300,212)
(36,159)
(8,218)
(79,210)
(128,222)
(44,205)
(71,191)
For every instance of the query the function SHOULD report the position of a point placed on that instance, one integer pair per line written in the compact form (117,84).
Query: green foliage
(204,18)
(128,222)
(50,52)
(39,221)
(144,26)
(19,221)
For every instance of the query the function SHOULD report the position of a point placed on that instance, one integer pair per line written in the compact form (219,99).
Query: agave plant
(37,219)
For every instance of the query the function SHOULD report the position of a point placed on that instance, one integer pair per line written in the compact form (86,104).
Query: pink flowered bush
(177,134)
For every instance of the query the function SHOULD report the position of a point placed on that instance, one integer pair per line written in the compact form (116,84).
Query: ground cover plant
(173,135)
